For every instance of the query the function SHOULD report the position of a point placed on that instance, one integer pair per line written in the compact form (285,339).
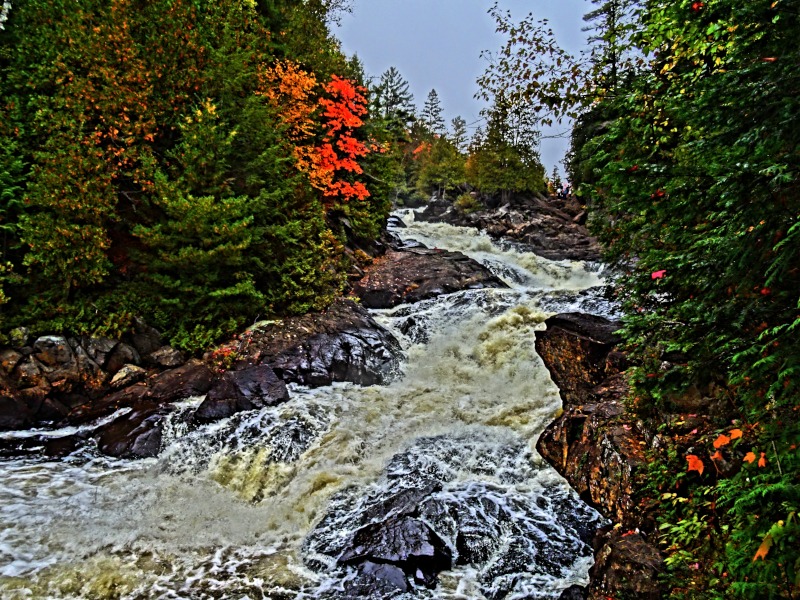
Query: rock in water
(247,389)
(343,343)
(418,274)
(403,541)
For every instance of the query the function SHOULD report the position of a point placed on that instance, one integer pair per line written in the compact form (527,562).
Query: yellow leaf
(763,549)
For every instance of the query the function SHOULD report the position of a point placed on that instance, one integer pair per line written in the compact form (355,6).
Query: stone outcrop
(342,343)
(598,446)
(418,274)
(550,227)
(236,391)
(58,381)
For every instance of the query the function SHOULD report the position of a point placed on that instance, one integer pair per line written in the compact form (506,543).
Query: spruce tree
(392,99)
(431,115)
(458,134)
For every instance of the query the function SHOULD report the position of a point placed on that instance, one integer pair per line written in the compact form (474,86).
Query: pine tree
(458,134)
(392,100)
(431,115)
(610,26)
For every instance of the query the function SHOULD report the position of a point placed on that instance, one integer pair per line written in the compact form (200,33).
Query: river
(259,505)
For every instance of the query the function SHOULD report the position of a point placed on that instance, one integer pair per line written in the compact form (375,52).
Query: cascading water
(260,505)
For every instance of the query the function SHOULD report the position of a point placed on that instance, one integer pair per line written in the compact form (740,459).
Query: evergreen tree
(392,100)
(505,160)
(458,134)
(431,114)
(610,25)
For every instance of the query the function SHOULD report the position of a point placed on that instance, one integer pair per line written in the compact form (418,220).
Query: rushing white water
(258,505)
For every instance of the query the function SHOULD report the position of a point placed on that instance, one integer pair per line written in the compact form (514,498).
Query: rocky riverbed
(125,397)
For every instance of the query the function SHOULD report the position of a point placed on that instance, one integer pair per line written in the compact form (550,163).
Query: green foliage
(692,174)
(144,170)
(441,167)
(505,160)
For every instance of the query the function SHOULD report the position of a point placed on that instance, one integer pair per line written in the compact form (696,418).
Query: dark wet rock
(548,226)
(574,347)
(236,391)
(145,339)
(396,222)
(30,373)
(342,343)
(128,375)
(403,541)
(166,357)
(40,445)
(417,274)
(626,566)
(9,359)
(54,352)
(192,379)
(99,349)
(134,435)
(599,447)
(375,580)
(15,413)
(121,355)
(504,533)
(596,445)
(573,592)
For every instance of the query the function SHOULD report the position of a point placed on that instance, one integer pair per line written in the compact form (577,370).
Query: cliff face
(599,447)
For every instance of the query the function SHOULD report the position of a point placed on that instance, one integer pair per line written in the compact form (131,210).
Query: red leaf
(695,464)
(658,274)
(722,440)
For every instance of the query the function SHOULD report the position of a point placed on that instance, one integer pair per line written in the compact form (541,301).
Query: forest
(204,165)
(685,150)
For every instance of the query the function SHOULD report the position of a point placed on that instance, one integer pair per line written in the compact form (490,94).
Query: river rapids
(259,505)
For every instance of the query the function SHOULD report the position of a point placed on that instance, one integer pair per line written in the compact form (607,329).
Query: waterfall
(260,504)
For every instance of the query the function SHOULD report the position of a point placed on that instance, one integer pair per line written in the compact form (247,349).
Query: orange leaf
(749,457)
(695,464)
(736,434)
(716,456)
(763,549)
(721,441)
(762,462)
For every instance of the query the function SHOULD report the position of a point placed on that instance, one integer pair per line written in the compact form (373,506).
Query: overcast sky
(436,44)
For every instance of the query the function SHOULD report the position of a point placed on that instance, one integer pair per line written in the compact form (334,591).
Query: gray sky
(437,44)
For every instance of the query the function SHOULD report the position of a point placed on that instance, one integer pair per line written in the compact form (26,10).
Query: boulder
(128,375)
(342,343)
(15,413)
(145,339)
(548,226)
(166,357)
(575,348)
(403,541)
(134,435)
(573,592)
(192,379)
(626,566)
(420,273)
(9,359)
(246,389)
(599,447)
(99,349)
(121,355)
